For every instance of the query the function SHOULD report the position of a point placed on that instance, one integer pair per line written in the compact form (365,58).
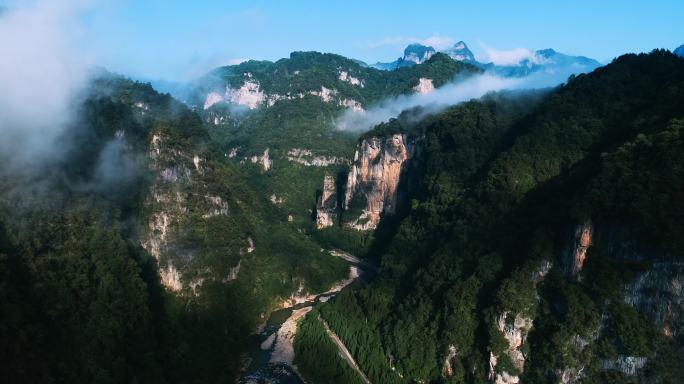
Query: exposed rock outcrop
(658,292)
(374,177)
(628,365)
(345,76)
(571,375)
(173,194)
(515,330)
(424,86)
(264,160)
(326,204)
(167,203)
(170,278)
(577,254)
(306,157)
(447,366)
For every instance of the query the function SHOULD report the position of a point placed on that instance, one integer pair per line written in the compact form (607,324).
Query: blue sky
(176,39)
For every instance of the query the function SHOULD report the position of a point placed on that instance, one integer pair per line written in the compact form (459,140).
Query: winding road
(344,352)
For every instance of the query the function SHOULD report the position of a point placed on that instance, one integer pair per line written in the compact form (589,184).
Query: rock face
(175,169)
(264,160)
(374,177)
(424,86)
(447,367)
(515,333)
(307,158)
(326,204)
(628,365)
(658,292)
(167,202)
(577,255)
(460,52)
(418,53)
(515,330)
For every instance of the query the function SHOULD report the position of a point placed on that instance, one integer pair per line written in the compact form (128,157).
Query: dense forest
(491,208)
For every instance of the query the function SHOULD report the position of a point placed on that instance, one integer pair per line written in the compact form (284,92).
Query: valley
(452,216)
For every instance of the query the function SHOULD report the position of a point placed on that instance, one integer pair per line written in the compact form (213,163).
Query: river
(270,350)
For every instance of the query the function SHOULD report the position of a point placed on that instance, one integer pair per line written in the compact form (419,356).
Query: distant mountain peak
(460,52)
(546,53)
(418,53)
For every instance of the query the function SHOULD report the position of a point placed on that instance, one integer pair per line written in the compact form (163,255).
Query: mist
(455,92)
(42,75)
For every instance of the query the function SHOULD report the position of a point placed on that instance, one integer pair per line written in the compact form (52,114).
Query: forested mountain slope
(277,120)
(540,239)
(140,197)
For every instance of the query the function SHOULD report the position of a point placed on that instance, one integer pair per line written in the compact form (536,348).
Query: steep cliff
(326,204)
(513,328)
(577,252)
(373,179)
(658,293)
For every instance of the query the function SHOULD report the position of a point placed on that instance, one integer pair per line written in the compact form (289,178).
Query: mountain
(532,237)
(545,61)
(524,236)
(413,54)
(286,111)
(142,253)
(460,52)
(679,51)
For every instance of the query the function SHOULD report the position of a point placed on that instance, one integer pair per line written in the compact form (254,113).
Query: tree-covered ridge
(301,98)
(309,71)
(81,298)
(491,212)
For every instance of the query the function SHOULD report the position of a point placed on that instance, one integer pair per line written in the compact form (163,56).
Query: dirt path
(344,352)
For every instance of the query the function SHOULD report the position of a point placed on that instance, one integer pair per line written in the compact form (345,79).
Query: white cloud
(437,42)
(455,92)
(505,57)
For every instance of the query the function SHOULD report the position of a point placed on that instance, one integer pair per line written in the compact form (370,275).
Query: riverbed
(271,353)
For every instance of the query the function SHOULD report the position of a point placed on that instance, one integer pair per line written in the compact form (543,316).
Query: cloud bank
(41,73)
(441,98)
(505,56)
(459,90)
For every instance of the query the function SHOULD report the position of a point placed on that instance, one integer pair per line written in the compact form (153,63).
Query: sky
(180,40)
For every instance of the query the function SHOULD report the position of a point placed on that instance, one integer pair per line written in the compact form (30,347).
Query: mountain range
(474,232)
(545,60)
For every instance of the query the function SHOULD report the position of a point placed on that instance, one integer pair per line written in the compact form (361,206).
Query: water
(260,370)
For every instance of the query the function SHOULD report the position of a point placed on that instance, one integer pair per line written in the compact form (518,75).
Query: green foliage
(498,188)
(317,356)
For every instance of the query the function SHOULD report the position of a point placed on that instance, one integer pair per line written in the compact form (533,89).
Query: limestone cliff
(326,203)
(374,177)
(514,328)
(658,293)
(173,196)
(577,252)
